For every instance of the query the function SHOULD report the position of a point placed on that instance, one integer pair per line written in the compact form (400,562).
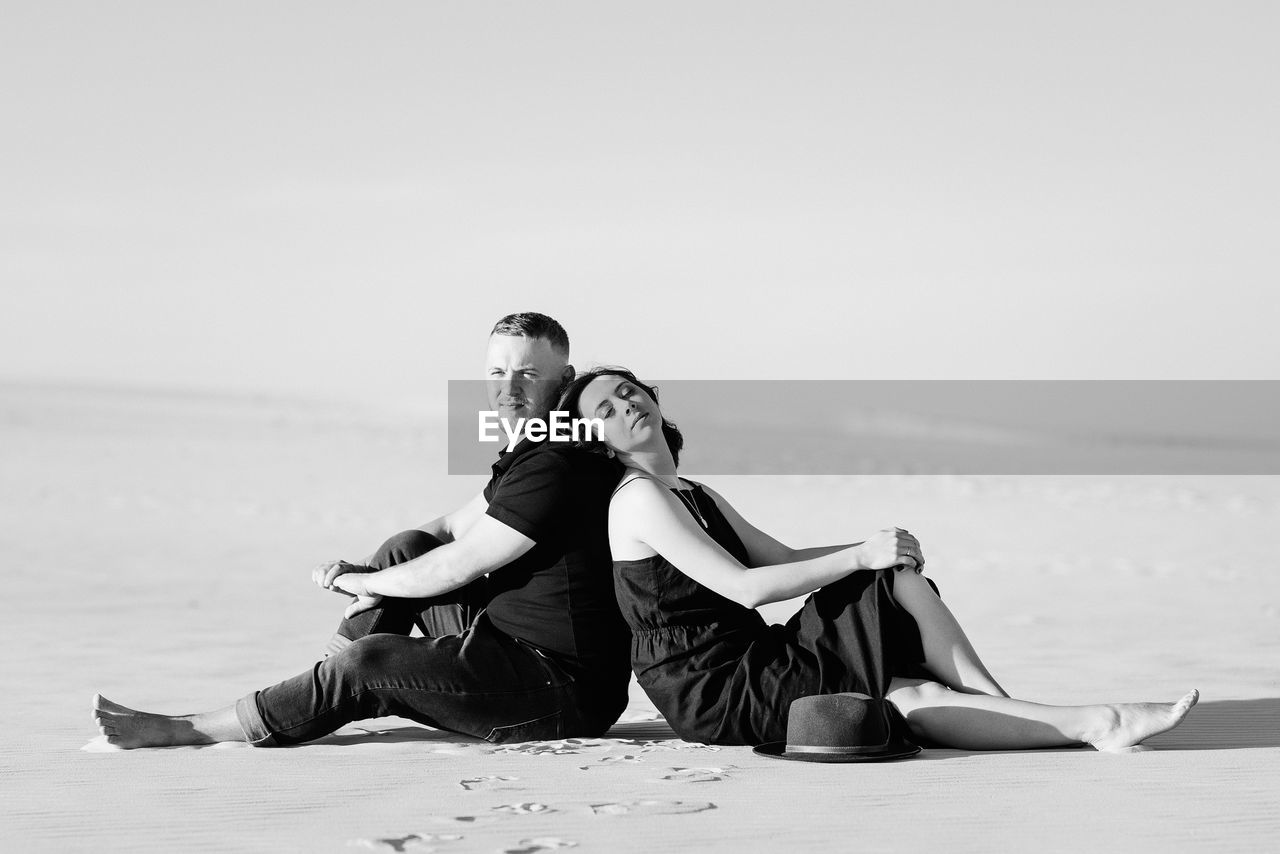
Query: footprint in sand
(675,744)
(652,807)
(611,762)
(541,843)
(524,809)
(506,812)
(492,783)
(562,747)
(498,813)
(418,843)
(698,775)
(465,820)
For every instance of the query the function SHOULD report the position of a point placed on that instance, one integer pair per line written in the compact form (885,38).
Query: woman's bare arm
(647,513)
(762,548)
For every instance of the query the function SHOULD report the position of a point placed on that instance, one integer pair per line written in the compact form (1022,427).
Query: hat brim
(778,750)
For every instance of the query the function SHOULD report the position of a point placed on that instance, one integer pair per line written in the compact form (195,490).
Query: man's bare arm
(453,525)
(487,545)
(445,528)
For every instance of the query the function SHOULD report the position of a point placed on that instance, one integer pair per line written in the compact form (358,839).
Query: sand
(159,550)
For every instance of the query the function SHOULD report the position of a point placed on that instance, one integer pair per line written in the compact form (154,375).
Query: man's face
(522,376)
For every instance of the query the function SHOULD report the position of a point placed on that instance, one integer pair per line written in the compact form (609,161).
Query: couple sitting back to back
(537,599)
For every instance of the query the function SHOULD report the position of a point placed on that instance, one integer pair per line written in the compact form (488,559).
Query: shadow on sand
(398,735)
(1225,725)
(1214,725)
(655,730)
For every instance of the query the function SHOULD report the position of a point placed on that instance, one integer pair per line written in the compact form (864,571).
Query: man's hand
(342,577)
(325,573)
(891,547)
(360,604)
(350,581)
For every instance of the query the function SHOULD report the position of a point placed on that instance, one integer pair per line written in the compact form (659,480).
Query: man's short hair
(531,324)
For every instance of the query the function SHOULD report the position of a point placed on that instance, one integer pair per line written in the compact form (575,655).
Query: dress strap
(634,476)
(629,479)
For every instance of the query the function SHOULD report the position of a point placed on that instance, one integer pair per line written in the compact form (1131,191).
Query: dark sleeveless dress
(720,675)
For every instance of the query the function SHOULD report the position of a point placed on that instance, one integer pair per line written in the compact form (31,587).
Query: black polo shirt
(559,595)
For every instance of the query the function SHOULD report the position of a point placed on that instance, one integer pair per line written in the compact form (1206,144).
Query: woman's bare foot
(129,728)
(1131,723)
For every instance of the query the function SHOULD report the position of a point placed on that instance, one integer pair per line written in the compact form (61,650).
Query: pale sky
(338,199)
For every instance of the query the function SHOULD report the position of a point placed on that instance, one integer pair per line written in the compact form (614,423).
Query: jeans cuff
(255,728)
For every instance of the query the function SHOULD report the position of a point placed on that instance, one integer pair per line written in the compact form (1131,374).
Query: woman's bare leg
(948,654)
(979,722)
(125,727)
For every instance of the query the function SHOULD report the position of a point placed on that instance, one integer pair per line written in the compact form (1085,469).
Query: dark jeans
(478,682)
(448,614)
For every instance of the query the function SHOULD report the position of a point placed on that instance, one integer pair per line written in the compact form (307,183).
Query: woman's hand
(891,547)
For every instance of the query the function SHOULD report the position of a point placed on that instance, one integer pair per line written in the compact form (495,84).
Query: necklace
(692,504)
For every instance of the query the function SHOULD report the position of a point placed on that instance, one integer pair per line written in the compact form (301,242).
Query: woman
(689,572)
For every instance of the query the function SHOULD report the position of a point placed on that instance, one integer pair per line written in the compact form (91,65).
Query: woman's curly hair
(570,396)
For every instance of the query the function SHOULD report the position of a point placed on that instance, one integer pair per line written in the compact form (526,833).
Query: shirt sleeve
(533,496)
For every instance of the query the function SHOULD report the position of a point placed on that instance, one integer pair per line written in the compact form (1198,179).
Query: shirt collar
(507,457)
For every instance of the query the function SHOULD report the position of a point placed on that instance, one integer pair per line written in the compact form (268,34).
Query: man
(526,365)
(513,591)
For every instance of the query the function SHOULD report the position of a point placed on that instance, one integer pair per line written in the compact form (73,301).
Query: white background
(337,200)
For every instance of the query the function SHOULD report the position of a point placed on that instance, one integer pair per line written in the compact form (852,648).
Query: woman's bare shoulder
(641,502)
(636,490)
(637,501)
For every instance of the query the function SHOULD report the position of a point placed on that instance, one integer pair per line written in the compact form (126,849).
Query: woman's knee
(911,694)
(910,584)
(907,583)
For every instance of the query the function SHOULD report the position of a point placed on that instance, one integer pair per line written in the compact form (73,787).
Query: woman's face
(632,419)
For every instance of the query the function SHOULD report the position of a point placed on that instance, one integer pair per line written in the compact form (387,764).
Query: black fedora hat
(840,728)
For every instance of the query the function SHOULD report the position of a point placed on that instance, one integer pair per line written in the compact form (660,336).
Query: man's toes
(102,703)
(105,718)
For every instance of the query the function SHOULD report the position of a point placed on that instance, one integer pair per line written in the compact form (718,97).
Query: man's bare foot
(1132,723)
(129,728)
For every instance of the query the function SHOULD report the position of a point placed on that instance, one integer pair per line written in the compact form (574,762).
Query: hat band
(816,749)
